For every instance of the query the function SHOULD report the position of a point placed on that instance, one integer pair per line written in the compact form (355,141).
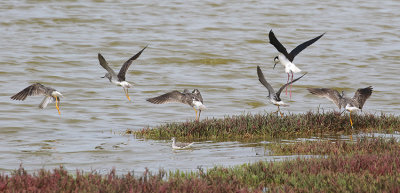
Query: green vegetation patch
(266,126)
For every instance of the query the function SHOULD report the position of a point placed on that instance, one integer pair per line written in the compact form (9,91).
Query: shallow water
(214,46)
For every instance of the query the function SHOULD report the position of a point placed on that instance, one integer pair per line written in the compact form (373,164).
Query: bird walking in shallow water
(119,79)
(274,97)
(50,95)
(178,145)
(194,99)
(285,58)
(350,104)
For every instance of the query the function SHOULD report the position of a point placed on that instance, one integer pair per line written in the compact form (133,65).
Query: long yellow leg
(126,94)
(196,113)
(351,123)
(58,109)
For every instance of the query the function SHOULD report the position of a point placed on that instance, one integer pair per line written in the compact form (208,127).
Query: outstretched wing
(105,65)
(332,95)
(275,42)
(361,95)
(125,66)
(283,87)
(171,97)
(32,90)
(301,47)
(261,78)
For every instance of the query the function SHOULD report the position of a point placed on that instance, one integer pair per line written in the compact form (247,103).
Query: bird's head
(195,91)
(276,60)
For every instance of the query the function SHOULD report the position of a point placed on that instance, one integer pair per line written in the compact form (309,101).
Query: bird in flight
(274,97)
(350,104)
(194,99)
(285,58)
(50,95)
(119,79)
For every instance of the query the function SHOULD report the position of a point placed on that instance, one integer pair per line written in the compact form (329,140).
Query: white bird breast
(56,93)
(289,66)
(198,105)
(351,108)
(124,84)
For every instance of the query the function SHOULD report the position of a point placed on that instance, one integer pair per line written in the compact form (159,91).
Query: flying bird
(178,145)
(350,104)
(285,58)
(274,97)
(50,95)
(194,99)
(119,79)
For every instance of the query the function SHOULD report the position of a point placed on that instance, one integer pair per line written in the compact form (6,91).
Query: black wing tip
(100,57)
(366,90)
(154,100)
(151,100)
(270,31)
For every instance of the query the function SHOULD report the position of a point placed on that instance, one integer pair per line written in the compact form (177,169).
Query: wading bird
(285,58)
(178,145)
(193,99)
(274,97)
(119,79)
(350,104)
(50,95)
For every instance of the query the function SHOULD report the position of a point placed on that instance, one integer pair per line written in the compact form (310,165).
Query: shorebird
(285,58)
(350,104)
(193,99)
(274,97)
(119,79)
(178,145)
(51,95)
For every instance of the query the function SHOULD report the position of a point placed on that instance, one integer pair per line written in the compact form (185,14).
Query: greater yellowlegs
(193,99)
(350,104)
(178,145)
(274,97)
(285,58)
(119,79)
(50,95)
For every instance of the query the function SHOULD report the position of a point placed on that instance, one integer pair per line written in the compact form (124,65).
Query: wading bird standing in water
(178,145)
(350,104)
(285,58)
(50,95)
(274,97)
(193,99)
(119,79)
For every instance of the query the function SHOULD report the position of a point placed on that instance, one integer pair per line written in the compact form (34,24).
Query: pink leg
(291,87)
(287,82)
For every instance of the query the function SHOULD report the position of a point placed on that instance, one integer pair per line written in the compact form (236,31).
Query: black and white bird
(50,95)
(194,99)
(285,58)
(274,97)
(119,79)
(350,104)
(179,145)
